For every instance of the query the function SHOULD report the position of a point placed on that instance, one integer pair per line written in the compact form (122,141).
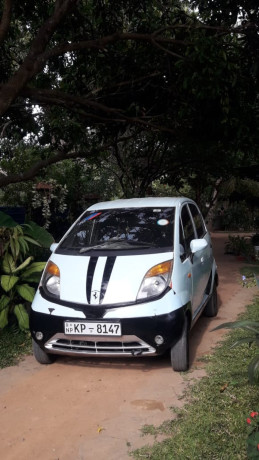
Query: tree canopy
(78,76)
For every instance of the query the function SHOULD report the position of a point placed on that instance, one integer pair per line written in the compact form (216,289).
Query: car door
(202,260)
(195,261)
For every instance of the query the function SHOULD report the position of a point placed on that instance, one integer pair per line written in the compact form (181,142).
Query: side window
(198,221)
(188,229)
(182,242)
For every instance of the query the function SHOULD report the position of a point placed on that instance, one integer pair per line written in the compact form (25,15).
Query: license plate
(92,328)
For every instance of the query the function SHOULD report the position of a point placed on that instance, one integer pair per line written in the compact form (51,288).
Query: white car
(129,278)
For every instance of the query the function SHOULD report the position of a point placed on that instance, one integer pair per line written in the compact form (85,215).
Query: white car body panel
(121,288)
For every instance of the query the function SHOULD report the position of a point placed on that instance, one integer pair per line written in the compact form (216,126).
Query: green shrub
(19,273)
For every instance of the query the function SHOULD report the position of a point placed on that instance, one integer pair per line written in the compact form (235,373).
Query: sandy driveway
(84,409)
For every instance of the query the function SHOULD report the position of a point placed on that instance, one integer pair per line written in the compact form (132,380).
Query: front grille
(118,346)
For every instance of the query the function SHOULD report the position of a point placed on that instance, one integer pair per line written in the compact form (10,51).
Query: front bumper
(137,339)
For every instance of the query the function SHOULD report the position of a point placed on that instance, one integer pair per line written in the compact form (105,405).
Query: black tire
(211,308)
(40,355)
(180,351)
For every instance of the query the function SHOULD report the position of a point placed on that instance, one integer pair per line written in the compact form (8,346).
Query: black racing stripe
(106,276)
(90,276)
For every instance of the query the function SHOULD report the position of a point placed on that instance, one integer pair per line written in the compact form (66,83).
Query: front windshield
(124,229)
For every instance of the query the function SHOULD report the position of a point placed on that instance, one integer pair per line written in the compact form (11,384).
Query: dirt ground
(84,409)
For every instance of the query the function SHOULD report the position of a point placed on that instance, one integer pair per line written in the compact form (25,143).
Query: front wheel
(180,351)
(40,355)
(211,308)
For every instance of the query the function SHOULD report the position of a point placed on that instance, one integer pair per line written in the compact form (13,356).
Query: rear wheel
(211,308)
(41,356)
(180,351)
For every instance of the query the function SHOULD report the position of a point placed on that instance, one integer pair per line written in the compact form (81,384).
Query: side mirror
(53,247)
(198,245)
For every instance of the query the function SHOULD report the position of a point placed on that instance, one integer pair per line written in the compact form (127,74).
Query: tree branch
(33,170)
(152,38)
(33,62)
(58,98)
(6,19)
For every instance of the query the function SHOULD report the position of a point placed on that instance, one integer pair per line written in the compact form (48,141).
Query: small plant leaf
(253,371)
(26,292)
(238,324)
(22,317)
(35,267)
(6,221)
(31,240)
(8,282)
(4,301)
(24,264)
(248,340)
(8,266)
(40,234)
(32,278)
(3,318)
(23,245)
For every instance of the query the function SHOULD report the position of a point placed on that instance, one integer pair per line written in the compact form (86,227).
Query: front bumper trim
(126,345)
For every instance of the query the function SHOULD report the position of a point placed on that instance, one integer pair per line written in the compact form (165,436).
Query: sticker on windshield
(162,222)
(92,216)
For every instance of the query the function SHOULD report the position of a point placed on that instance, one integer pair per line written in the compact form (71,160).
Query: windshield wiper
(141,243)
(102,245)
(118,243)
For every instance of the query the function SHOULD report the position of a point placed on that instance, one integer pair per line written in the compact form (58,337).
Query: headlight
(156,280)
(51,280)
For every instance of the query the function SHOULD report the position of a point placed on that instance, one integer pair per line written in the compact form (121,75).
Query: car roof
(141,203)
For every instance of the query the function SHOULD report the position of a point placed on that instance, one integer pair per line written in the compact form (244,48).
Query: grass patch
(13,345)
(212,425)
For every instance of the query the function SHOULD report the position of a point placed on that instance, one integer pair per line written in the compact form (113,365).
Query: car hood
(104,280)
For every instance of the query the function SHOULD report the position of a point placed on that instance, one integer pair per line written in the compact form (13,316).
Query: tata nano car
(128,279)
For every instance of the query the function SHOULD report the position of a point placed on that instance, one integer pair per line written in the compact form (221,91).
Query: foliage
(14,344)
(50,201)
(86,183)
(13,238)
(239,246)
(253,435)
(76,76)
(237,216)
(253,328)
(18,273)
(212,423)
(17,288)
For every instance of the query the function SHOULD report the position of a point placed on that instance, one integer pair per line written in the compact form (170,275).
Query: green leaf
(8,264)
(32,278)
(12,246)
(248,340)
(238,324)
(22,317)
(26,292)
(24,264)
(8,282)
(3,318)
(6,221)
(35,267)
(4,301)
(33,272)
(23,245)
(44,238)
(16,248)
(253,371)
(31,240)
